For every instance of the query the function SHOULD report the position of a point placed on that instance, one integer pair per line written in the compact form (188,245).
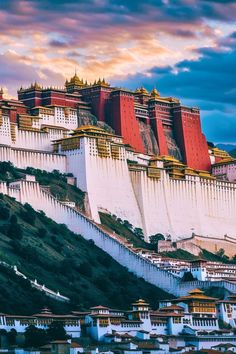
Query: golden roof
(155,93)
(191,171)
(90,129)
(140,302)
(205,174)
(195,294)
(142,91)
(100,82)
(218,152)
(156,158)
(226,160)
(74,81)
(169,158)
(196,291)
(36,86)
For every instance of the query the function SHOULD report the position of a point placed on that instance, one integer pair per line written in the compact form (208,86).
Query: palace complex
(148,122)
(195,320)
(136,155)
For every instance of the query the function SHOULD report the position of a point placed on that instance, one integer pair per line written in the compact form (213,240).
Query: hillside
(226,147)
(123,228)
(233,153)
(62,261)
(56,181)
(204,254)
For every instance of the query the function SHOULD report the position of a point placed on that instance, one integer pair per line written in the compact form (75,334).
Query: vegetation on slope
(62,261)
(180,254)
(204,254)
(56,181)
(125,230)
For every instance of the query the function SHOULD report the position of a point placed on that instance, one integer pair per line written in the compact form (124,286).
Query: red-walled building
(143,119)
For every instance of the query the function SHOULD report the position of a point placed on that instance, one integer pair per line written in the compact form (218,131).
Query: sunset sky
(185,48)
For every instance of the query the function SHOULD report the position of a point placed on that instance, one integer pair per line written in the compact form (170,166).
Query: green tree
(56,331)
(28,214)
(14,230)
(139,233)
(127,224)
(188,277)
(220,252)
(155,238)
(35,337)
(11,336)
(42,232)
(4,213)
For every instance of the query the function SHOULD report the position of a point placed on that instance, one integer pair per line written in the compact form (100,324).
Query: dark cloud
(209,81)
(49,14)
(58,44)
(70,27)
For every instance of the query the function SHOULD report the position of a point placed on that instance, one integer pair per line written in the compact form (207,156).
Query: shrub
(42,232)
(13,219)
(56,331)
(4,213)
(29,215)
(101,283)
(35,337)
(105,260)
(155,238)
(139,233)
(85,269)
(127,224)
(14,231)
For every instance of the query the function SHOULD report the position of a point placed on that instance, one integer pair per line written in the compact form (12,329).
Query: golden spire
(143,91)
(74,81)
(35,86)
(155,93)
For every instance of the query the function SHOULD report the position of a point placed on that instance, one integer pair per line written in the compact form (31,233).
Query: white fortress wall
(5,132)
(33,140)
(106,180)
(183,207)
(23,158)
(29,139)
(168,206)
(3,188)
(31,193)
(219,208)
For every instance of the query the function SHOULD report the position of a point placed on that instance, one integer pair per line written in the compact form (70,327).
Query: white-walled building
(41,320)
(225,169)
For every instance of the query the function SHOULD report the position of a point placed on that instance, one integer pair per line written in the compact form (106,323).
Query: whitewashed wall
(23,158)
(30,192)
(182,207)
(106,181)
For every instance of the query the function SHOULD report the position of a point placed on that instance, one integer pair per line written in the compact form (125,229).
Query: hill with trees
(61,260)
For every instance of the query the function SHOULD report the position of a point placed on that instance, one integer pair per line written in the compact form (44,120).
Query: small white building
(225,169)
(41,320)
(226,310)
